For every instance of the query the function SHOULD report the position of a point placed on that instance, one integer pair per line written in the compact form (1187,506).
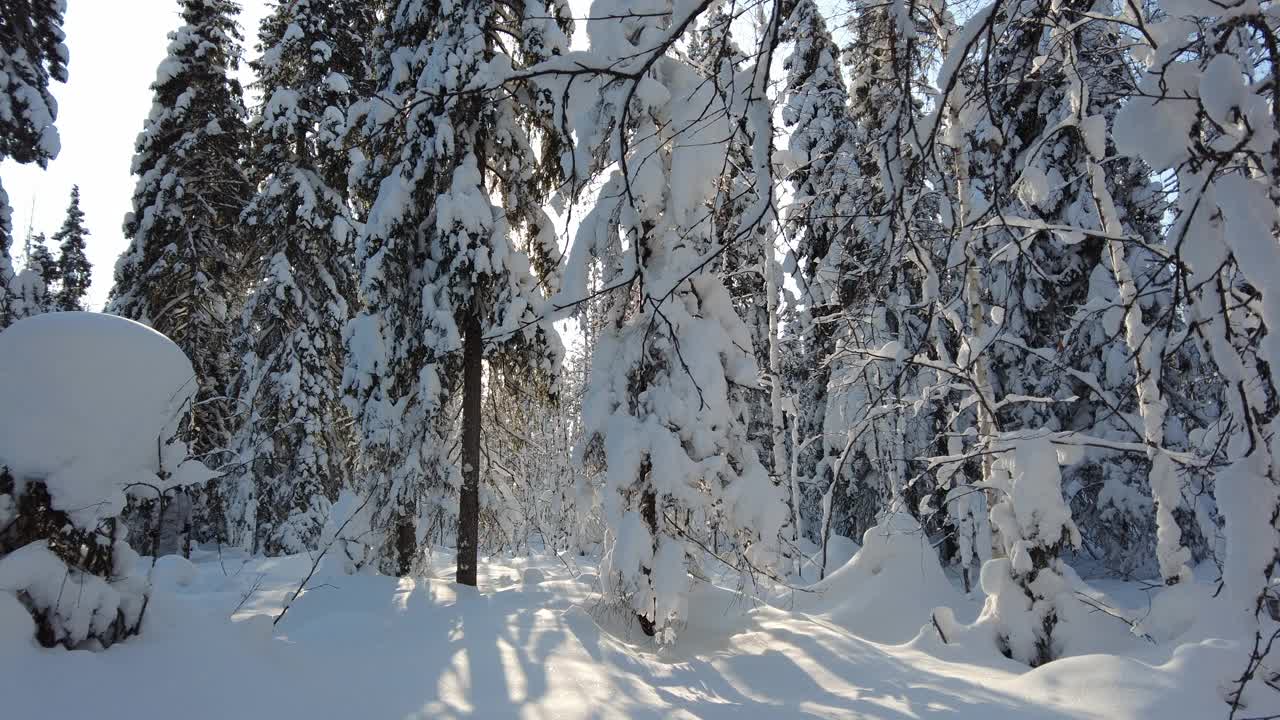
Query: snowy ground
(534,642)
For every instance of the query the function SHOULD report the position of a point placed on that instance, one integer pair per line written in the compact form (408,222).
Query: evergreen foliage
(73,267)
(439,268)
(184,270)
(292,441)
(32,53)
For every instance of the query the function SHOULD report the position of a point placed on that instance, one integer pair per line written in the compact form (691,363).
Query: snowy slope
(533,643)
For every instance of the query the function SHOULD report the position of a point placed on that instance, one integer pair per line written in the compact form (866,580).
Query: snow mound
(887,591)
(96,393)
(16,626)
(172,572)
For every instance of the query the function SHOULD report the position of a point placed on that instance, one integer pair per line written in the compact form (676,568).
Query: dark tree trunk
(406,545)
(649,514)
(469,502)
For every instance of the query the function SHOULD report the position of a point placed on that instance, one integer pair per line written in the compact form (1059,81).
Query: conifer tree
(41,260)
(36,286)
(1120,334)
(888,255)
(744,223)
(443,286)
(73,266)
(183,272)
(824,180)
(8,280)
(716,57)
(31,54)
(292,443)
(815,113)
(1219,152)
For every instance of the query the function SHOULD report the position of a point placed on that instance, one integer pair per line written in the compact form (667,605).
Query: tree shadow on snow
(454,652)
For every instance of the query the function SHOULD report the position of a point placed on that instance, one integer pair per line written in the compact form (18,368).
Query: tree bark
(649,514)
(469,501)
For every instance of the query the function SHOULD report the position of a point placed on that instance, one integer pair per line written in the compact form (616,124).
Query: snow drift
(888,590)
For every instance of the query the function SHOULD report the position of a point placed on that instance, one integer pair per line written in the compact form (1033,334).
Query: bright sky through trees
(100,112)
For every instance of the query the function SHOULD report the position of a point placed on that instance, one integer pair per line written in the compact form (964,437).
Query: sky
(115,46)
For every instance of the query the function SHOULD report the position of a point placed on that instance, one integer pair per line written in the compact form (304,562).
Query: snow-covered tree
(661,418)
(1220,146)
(8,280)
(31,54)
(35,289)
(443,285)
(823,177)
(875,271)
(293,444)
(111,392)
(1025,588)
(744,221)
(716,56)
(183,272)
(73,266)
(1062,262)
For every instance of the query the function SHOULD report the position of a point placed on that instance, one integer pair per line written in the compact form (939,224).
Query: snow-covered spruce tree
(1020,154)
(823,178)
(1135,514)
(183,272)
(292,443)
(660,416)
(73,266)
(31,54)
(1019,305)
(8,280)
(1035,527)
(35,288)
(717,57)
(1145,525)
(443,285)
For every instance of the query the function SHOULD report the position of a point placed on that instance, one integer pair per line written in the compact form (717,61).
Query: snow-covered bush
(101,399)
(1023,589)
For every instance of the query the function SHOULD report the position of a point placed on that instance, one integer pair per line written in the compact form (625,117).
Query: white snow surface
(886,592)
(91,395)
(534,642)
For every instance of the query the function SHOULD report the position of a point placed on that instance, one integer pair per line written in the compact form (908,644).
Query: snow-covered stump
(101,399)
(159,523)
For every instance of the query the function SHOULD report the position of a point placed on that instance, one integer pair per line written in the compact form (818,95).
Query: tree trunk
(649,514)
(469,502)
(978,324)
(777,423)
(1145,348)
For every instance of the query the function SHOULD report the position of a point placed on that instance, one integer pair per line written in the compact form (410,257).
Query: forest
(654,358)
